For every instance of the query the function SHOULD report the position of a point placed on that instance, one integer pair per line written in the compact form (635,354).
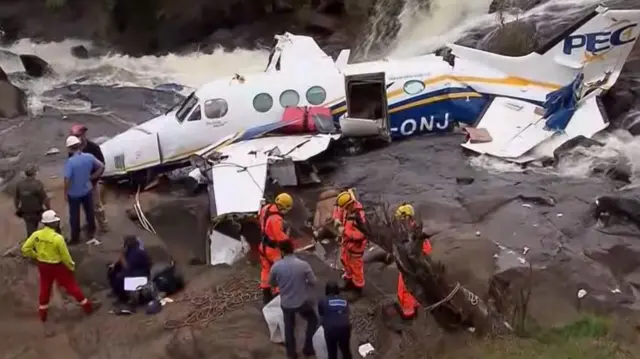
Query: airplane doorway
(367,111)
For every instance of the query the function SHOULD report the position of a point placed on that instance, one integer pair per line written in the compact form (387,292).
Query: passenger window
(413,87)
(195,115)
(263,102)
(215,108)
(289,98)
(316,95)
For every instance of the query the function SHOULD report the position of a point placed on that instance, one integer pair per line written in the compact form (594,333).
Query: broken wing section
(240,173)
(518,131)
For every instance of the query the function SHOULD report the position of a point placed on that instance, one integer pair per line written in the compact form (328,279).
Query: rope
(228,297)
(446,299)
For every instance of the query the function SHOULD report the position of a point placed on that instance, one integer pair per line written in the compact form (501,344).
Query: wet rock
(184,345)
(80,52)
(464,180)
(13,101)
(511,5)
(516,38)
(319,22)
(35,66)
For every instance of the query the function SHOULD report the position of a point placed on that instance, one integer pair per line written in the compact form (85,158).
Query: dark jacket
(30,196)
(94,149)
(138,263)
(334,312)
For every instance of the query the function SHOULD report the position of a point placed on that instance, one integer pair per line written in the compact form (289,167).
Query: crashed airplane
(241,130)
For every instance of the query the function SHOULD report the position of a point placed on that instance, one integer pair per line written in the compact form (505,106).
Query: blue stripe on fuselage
(435,111)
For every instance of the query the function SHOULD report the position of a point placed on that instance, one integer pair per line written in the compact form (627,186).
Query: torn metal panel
(239,178)
(224,249)
(514,128)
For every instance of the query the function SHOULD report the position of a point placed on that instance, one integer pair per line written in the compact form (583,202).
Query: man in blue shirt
(295,279)
(79,172)
(334,313)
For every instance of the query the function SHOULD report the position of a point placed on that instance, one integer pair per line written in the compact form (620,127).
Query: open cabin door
(367,110)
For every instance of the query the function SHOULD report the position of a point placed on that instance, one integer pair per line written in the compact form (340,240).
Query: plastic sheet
(275,320)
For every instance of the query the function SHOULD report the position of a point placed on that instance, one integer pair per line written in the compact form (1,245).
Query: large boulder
(35,66)
(13,101)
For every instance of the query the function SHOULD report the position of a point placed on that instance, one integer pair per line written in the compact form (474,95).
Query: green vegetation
(587,338)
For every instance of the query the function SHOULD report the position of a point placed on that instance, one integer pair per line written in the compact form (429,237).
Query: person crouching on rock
(55,264)
(334,313)
(133,262)
(31,199)
(406,300)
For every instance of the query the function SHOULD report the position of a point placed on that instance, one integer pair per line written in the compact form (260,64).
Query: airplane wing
(240,174)
(519,132)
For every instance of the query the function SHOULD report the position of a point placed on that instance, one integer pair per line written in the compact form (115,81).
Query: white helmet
(50,216)
(72,141)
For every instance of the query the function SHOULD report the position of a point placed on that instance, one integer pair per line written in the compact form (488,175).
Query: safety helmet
(73,141)
(284,201)
(78,130)
(49,216)
(344,199)
(405,210)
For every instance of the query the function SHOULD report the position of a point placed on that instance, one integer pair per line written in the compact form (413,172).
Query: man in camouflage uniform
(31,199)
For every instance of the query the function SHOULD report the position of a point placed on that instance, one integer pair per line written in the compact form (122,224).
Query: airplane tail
(596,46)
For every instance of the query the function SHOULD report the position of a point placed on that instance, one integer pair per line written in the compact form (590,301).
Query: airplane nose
(131,150)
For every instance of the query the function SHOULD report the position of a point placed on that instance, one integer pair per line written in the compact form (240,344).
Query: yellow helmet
(405,210)
(284,201)
(344,199)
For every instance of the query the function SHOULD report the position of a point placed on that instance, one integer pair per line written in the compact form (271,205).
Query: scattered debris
(366,349)
(582,293)
(52,151)
(94,242)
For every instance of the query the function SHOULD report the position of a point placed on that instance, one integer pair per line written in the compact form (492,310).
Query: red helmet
(78,130)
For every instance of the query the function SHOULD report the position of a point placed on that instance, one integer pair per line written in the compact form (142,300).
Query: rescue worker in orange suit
(406,300)
(273,232)
(349,218)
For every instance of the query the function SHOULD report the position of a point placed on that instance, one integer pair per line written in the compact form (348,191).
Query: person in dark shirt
(133,262)
(334,314)
(31,199)
(93,148)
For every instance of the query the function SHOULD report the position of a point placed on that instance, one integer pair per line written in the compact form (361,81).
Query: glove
(337,223)
(341,230)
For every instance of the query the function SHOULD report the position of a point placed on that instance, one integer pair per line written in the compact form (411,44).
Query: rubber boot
(267,296)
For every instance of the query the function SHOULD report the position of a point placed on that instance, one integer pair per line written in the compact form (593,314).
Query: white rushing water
(421,32)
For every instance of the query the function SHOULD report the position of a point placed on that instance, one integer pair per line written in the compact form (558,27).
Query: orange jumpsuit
(271,224)
(353,245)
(408,303)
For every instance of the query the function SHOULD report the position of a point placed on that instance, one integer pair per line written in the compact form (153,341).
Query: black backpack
(167,279)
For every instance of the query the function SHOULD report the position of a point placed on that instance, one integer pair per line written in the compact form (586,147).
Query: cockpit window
(196,115)
(186,107)
(215,108)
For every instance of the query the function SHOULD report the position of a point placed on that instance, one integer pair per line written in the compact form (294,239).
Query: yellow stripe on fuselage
(507,81)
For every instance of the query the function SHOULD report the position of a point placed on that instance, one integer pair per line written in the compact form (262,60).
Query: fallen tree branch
(451,304)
